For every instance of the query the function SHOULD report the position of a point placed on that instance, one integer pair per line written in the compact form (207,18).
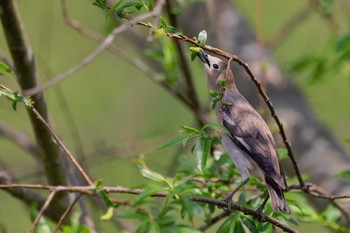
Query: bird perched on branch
(248,139)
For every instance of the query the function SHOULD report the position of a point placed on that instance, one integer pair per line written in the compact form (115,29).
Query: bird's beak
(204,57)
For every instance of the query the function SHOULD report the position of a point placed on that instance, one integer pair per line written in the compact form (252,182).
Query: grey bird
(250,143)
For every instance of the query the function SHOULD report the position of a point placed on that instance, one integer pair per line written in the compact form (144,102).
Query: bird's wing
(251,134)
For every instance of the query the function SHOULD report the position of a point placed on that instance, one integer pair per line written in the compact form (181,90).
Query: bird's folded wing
(251,134)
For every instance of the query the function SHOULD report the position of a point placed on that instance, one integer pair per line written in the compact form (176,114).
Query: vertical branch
(26,74)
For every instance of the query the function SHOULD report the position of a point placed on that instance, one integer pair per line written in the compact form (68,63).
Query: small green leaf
(159,32)
(215,94)
(195,49)
(115,6)
(108,215)
(173,30)
(105,198)
(100,3)
(202,37)
(193,56)
(5,68)
(249,223)
(143,228)
(147,193)
(180,139)
(189,129)
(147,173)
(201,152)
(122,10)
(222,83)
(344,175)
(154,227)
(163,23)
(238,228)
(187,207)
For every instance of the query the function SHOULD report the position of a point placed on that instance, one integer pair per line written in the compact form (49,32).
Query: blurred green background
(120,113)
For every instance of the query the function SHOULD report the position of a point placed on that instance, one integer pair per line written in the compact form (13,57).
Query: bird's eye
(215,66)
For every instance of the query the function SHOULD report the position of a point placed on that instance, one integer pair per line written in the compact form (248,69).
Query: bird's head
(216,71)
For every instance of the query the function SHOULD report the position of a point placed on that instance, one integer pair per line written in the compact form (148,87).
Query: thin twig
(154,77)
(41,212)
(90,191)
(61,144)
(104,44)
(68,210)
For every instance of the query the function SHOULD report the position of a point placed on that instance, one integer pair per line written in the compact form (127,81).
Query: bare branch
(89,190)
(68,210)
(41,212)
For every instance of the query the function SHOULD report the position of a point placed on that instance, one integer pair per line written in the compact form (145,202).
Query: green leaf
(100,3)
(188,129)
(122,10)
(193,56)
(143,228)
(105,198)
(225,227)
(154,227)
(151,175)
(238,228)
(249,223)
(163,23)
(201,152)
(216,125)
(222,82)
(115,6)
(177,140)
(195,50)
(202,37)
(147,193)
(108,215)
(215,94)
(344,175)
(5,68)
(16,98)
(187,207)
(173,30)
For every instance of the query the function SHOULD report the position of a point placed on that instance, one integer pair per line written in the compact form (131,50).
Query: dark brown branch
(28,196)
(26,74)
(89,190)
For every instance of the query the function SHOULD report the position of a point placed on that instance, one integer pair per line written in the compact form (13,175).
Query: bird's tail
(278,201)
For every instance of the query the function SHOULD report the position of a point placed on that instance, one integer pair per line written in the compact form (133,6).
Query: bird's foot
(228,202)
(261,216)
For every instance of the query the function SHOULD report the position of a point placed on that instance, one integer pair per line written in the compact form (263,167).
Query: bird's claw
(261,216)
(228,202)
